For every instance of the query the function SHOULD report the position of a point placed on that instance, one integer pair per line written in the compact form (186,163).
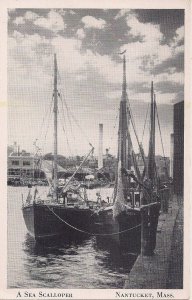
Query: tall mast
(55,110)
(151,156)
(123,152)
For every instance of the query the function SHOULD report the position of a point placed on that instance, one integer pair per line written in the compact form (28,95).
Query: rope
(47,113)
(69,112)
(113,132)
(129,110)
(161,139)
(145,123)
(69,118)
(90,233)
(65,131)
(47,128)
(72,115)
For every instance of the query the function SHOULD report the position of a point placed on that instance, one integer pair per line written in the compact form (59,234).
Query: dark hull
(124,230)
(50,221)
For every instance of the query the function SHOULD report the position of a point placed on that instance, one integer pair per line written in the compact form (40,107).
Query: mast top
(124,85)
(55,72)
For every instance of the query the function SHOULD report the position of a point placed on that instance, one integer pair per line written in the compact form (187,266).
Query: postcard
(95,149)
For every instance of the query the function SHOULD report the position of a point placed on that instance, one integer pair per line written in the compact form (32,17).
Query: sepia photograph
(95,151)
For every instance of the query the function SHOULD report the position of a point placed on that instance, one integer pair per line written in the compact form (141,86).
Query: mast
(55,110)
(123,138)
(123,145)
(151,155)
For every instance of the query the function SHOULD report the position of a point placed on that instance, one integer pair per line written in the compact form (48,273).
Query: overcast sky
(87,43)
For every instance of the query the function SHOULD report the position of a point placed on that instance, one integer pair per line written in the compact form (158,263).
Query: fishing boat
(133,189)
(63,211)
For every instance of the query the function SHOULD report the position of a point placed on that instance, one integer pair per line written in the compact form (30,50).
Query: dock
(164,269)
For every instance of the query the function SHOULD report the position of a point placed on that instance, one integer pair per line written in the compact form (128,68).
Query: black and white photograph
(95,152)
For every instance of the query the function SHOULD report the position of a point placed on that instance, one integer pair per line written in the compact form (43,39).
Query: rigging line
(69,117)
(161,139)
(65,103)
(61,98)
(65,133)
(48,125)
(133,122)
(90,233)
(47,112)
(134,128)
(114,127)
(145,123)
(80,166)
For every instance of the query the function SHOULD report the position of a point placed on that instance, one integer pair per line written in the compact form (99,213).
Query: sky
(87,43)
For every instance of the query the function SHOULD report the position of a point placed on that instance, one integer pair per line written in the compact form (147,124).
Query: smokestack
(171,155)
(15,147)
(100,153)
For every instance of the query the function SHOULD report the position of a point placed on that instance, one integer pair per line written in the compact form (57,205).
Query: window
(26,163)
(15,162)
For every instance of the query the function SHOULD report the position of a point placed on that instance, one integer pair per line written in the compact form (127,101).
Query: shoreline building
(23,165)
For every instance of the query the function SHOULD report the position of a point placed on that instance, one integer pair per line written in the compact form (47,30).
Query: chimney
(171,155)
(100,152)
(15,147)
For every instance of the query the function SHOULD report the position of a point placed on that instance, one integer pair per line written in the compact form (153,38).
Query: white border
(145,4)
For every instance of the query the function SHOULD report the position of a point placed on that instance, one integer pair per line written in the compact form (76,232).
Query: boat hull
(124,230)
(52,221)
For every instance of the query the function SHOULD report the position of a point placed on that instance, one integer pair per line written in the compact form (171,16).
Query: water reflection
(90,263)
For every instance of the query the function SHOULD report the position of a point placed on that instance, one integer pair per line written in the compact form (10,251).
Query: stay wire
(46,115)
(61,98)
(72,115)
(134,128)
(113,133)
(161,139)
(48,125)
(145,123)
(63,127)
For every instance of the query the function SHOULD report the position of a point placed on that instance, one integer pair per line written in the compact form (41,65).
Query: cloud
(140,87)
(91,77)
(167,19)
(170,65)
(122,13)
(30,15)
(19,20)
(91,22)
(80,33)
(53,22)
(178,41)
(179,97)
(168,87)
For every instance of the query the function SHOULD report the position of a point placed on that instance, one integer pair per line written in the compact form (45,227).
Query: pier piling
(149,222)
(164,197)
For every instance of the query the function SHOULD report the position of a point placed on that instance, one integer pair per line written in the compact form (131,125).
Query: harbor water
(74,264)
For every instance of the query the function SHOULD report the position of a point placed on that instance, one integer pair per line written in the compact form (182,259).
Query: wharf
(160,271)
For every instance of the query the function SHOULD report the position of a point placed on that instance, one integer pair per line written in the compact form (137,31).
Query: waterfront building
(178,157)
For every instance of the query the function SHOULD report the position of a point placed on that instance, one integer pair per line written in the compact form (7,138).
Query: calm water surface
(82,264)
